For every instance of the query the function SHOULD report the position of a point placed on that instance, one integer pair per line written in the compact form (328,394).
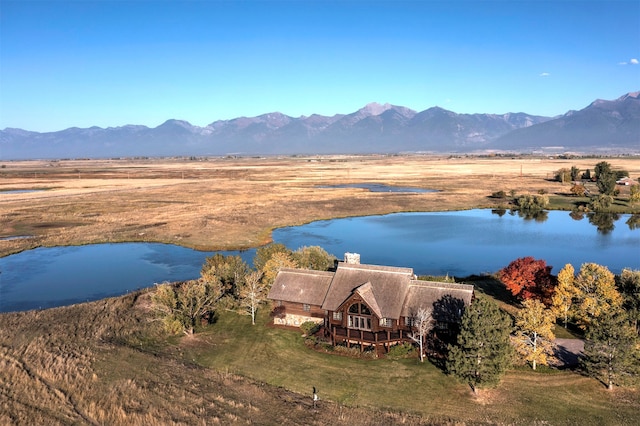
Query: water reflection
(539,216)
(470,242)
(455,243)
(634,221)
(603,221)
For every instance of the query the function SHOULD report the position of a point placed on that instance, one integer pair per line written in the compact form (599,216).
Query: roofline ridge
(418,283)
(305,271)
(379,268)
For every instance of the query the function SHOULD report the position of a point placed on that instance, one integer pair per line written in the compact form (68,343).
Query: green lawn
(280,357)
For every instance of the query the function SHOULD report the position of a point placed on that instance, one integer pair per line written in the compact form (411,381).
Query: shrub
(619,174)
(404,350)
(563,175)
(499,194)
(354,351)
(578,190)
(601,202)
(309,327)
(532,202)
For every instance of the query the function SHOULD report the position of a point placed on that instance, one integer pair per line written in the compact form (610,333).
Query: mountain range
(601,127)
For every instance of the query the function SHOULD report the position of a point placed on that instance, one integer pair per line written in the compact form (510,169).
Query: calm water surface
(470,242)
(454,243)
(48,277)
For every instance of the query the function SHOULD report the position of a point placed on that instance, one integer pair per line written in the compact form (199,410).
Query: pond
(455,243)
(462,243)
(20,191)
(379,187)
(57,276)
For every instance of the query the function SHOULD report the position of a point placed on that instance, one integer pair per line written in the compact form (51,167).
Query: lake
(437,243)
(57,276)
(469,242)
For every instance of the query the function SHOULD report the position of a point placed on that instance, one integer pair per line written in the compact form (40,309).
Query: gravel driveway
(567,352)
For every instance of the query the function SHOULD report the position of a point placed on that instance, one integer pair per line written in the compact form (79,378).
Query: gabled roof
(425,293)
(301,286)
(390,292)
(365,291)
(387,286)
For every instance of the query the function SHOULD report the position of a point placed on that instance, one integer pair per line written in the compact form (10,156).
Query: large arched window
(359,316)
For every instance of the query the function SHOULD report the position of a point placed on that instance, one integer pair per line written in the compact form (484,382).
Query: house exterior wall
(294,314)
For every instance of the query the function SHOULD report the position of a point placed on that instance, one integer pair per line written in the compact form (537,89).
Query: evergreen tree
(628,284)
(483,351)
(575,173)
(610,351)
(605,178)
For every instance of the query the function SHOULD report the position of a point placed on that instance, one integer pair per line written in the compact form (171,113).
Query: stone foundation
(295,320)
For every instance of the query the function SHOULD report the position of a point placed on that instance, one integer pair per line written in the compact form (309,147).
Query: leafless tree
(252,292)
(422,323)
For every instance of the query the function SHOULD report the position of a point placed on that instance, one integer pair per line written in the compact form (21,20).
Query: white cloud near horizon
(632,61)
(544,74)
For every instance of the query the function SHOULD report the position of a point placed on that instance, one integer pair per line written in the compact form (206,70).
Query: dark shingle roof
(390,292)
(388,286)
(301,286)
(425,293)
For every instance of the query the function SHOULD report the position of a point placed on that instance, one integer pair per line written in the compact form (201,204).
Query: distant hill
(375,128)
(603,126)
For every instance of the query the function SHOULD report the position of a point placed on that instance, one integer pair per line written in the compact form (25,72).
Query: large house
(367,305)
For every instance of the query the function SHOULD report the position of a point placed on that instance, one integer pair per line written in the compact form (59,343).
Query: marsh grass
(108,362)
(222,204)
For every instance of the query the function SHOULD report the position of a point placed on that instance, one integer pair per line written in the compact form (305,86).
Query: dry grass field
(235,203)
(106,362)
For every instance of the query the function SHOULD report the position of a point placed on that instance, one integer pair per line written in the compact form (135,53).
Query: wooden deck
(380,340)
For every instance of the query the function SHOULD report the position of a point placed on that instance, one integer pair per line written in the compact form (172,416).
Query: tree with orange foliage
(528,278)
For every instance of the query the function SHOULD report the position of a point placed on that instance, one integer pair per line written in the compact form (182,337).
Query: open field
(107,362)
(235,203)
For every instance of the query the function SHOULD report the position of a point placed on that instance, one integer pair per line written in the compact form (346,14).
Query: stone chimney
(352,258)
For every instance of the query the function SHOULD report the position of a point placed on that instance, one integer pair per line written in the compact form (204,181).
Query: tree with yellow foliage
(534,333)
(564,294)
(277,261)
(597,293)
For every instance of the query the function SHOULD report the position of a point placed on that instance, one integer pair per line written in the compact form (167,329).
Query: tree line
(605,178)
(487,340)
(228,282)
(606,307)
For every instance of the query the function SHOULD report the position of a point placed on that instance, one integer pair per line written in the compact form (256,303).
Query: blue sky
(110,63)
